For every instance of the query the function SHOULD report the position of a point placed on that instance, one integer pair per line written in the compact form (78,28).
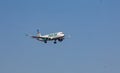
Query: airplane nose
(63,34)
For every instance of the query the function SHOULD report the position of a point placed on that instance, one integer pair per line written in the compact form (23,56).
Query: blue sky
(94,27)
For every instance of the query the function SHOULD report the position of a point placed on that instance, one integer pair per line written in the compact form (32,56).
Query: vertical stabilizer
(38,33)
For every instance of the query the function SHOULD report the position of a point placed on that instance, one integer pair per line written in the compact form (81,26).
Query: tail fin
(38,33)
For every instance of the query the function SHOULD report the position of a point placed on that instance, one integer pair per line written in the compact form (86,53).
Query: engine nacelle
(60,40)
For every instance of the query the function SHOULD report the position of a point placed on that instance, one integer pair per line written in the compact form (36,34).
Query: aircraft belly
(56,37)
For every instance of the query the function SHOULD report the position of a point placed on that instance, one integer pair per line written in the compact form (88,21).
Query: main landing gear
(55,42)
(45,41)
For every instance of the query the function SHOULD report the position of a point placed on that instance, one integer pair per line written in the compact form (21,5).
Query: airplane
(50,37)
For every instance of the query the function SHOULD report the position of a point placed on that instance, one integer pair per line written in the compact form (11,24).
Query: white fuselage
(53,36)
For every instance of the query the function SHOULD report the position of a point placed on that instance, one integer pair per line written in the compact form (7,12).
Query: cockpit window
(61,33)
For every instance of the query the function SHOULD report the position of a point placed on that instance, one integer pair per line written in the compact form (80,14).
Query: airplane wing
(40,37)
(47,38)
(35,37)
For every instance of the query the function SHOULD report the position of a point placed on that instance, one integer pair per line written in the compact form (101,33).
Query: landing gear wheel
(55,42)
(45,41)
